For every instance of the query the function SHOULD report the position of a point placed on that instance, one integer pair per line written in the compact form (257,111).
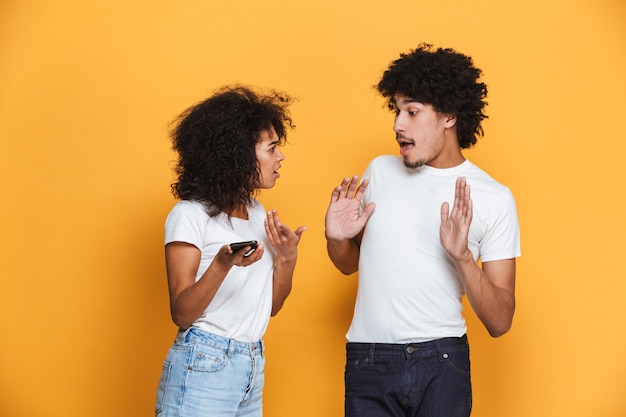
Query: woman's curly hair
(216,145)
(443,78)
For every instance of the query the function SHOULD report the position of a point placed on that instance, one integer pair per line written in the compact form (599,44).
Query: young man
(415,229)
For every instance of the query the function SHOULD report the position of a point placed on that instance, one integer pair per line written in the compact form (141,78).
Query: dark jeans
(430,379)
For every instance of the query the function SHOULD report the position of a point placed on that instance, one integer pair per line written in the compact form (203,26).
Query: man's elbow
(346,270)
(500,329)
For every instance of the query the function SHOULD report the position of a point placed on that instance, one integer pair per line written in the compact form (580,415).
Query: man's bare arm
(345,223)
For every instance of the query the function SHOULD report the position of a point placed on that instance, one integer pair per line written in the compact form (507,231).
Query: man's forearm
(490,291)
(344,254)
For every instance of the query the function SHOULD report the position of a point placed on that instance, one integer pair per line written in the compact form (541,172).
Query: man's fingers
(352,186)
(361,189)
(368,210)
(340,191)
(445,211)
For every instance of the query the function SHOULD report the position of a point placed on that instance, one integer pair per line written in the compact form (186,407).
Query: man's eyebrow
(407,100)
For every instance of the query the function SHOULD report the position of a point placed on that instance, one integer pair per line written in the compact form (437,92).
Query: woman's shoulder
(188,208)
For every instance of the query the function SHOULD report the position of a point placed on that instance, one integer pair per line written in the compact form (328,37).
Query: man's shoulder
(385,162)
(487,192)
(387,159)
(476,173)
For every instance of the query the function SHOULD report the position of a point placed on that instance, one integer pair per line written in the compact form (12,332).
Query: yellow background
(87,89)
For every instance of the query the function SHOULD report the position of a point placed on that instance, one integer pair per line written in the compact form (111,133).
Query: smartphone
(237,246)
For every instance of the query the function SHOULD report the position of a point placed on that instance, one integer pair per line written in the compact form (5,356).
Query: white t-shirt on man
(409,290)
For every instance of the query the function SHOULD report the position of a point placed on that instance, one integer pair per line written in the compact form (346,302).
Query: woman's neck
(239,212)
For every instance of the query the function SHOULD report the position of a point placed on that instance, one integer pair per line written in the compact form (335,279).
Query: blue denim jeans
(209,375)
(430,379)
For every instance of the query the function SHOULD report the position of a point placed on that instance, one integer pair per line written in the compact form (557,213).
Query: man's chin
(412,164)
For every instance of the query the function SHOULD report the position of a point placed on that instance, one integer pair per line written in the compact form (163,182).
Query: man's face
(268,156)
(420,132)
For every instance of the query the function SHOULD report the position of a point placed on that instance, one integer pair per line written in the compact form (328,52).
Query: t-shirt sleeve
(186,223)
(502,240)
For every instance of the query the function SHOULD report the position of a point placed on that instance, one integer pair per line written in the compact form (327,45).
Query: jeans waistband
(438,345)
(195,335)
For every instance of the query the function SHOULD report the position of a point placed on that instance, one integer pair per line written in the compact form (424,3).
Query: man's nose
(398,124)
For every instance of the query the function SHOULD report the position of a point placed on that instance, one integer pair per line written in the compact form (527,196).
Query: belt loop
(262,347)
(440,351)
(371,356)
(231,347)
(182,335)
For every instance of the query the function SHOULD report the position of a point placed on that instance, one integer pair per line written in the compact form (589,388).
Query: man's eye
(412,113)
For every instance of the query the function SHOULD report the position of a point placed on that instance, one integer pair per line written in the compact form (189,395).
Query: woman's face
(268,156)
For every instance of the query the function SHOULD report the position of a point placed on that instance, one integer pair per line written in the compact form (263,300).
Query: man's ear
(449,119)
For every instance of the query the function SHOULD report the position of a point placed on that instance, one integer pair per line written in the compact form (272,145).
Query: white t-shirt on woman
(242,305)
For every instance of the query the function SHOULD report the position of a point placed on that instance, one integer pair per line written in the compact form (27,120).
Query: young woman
(221,297)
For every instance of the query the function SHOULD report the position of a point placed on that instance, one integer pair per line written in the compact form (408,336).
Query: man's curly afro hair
(443,78)
(216,145)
